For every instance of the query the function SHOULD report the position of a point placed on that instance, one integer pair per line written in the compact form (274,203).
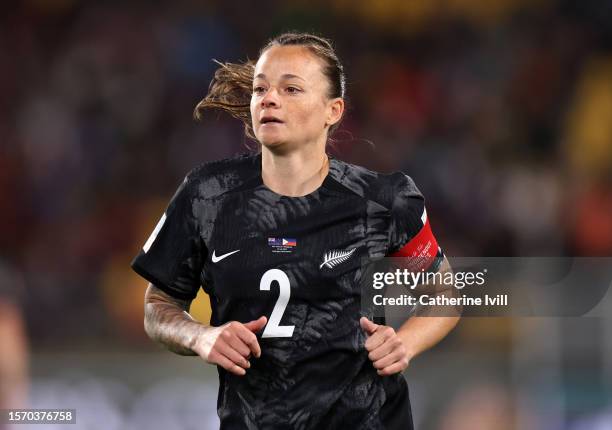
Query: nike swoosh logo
(216,259)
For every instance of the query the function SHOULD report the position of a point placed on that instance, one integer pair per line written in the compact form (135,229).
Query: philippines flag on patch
(289,242)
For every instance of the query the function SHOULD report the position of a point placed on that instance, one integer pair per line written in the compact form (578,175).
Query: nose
(270,99)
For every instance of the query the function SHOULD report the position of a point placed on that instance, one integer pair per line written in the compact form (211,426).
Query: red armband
(421,250)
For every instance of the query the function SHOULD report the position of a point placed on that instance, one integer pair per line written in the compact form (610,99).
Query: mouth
(270,120)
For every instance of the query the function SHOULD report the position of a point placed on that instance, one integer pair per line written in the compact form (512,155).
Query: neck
(294,173)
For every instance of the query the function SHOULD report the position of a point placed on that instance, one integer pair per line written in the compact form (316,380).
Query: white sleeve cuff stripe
(153,236)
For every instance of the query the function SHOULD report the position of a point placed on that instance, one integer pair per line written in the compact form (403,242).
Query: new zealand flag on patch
(275,241)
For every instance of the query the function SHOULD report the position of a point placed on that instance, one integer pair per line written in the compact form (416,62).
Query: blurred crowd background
(500,110)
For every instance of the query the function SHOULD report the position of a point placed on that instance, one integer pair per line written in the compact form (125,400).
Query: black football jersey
(297,261)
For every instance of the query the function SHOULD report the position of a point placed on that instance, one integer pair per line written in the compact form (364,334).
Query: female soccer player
(276,240)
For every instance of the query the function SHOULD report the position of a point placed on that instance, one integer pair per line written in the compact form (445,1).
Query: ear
(335,109)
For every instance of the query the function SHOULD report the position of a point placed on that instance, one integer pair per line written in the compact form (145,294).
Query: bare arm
(168,322)
(14,360)
(391,351)
(431,324)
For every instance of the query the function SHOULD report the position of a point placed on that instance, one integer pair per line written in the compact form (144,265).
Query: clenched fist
(230,345)
(385,348)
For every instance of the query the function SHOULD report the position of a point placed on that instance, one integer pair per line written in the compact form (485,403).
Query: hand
(230,345)
(386,349)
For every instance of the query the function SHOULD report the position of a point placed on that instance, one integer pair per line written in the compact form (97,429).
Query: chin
(270,141)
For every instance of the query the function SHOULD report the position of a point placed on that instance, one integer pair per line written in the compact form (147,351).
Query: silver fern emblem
(334,257)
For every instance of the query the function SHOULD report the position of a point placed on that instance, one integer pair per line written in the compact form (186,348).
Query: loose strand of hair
(230,91)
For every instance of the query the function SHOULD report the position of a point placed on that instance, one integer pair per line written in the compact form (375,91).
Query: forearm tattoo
(168,322)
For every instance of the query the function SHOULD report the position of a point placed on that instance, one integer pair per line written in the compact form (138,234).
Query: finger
(237,343)
(233,355)
(392,369)
(219,359)
(367,325)
(249,340)
(257,324)
(382,334)
(386,348)
(387,360)
(374,341)
(231,336)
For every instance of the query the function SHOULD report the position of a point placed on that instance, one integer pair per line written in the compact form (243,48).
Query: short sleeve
(411,234)
(172,257)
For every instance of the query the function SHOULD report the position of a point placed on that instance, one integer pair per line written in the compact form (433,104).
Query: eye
(293,90)
(259,90)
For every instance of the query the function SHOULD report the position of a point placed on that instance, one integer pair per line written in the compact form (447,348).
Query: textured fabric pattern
(320,377)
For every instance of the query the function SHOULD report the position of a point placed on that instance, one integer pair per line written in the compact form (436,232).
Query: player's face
(290,104)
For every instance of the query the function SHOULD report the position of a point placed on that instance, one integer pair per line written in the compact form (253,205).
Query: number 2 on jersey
(273,329)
